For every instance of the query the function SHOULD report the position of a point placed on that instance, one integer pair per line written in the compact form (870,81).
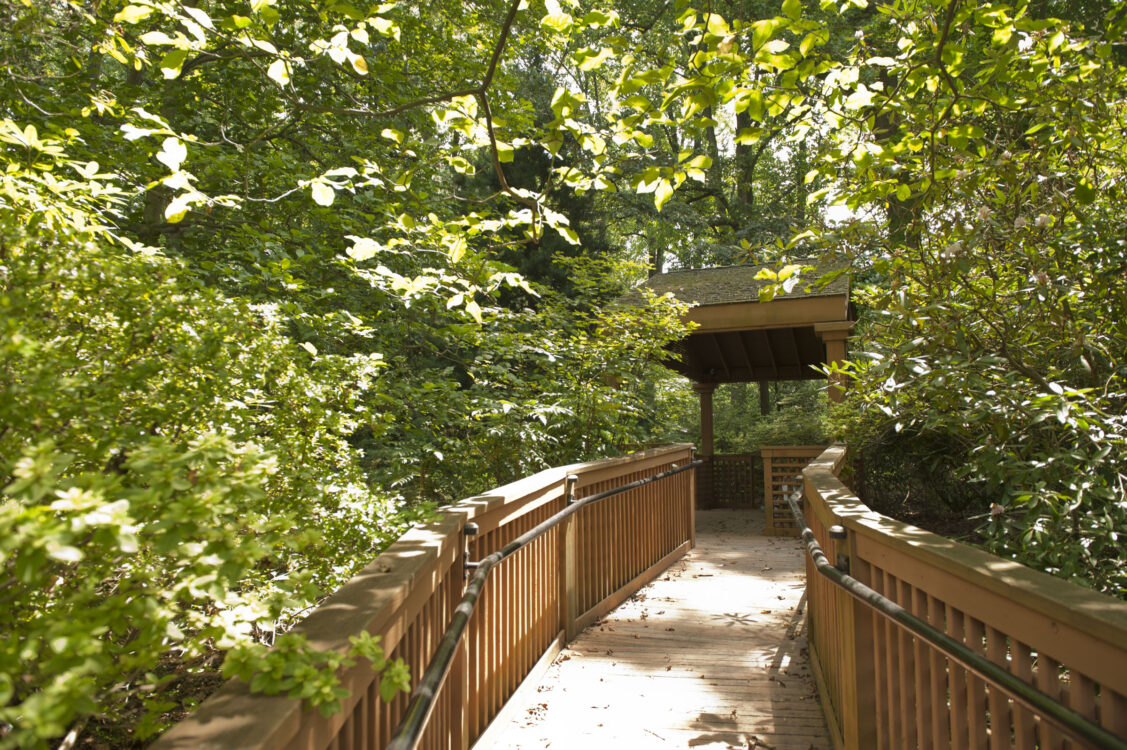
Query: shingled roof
(737,284)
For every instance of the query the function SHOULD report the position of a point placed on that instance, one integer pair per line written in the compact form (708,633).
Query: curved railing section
(545,592)
(885,684)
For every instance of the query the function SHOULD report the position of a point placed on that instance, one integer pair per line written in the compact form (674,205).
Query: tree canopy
(279,276)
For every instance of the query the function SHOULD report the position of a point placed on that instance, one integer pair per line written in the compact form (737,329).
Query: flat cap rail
(1047,664)
(547,590)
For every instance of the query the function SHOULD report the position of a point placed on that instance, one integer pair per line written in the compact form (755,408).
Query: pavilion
(741,338)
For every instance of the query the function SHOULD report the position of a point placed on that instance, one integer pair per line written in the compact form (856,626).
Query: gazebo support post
(834,336)
(704,473)
(705,390)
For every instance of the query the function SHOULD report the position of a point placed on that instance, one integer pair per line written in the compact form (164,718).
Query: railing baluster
(996,700)
(941,732)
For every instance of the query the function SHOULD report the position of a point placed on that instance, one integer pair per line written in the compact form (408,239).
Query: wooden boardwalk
(710,655)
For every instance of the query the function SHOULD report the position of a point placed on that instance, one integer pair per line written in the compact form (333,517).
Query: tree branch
(479,90)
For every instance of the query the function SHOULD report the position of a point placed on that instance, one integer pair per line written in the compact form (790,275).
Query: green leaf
(457,249)
(569,234)
(348,10)
(363,248)
(600,18)
(811,40)
(157,38)
(64,552)
(279,71)
(460,164)
(395,679)
(202,18)
(560,22)
(751,102)
(392,134)
(749,135)
(1001,35)
(594,61)
(662,194)
(385,27)
(323,193)
(763,30)
(132,14)
(177,209)
(717,25)
(474,310)
(792,9)
(1085,192)
(172,63)
(638,102)
(172,154)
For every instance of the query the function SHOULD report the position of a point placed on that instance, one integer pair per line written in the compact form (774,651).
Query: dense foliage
(220,386)
(996,350)
(177,472)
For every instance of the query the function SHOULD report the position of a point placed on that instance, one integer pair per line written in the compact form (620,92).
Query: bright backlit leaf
(133,14)
(323,193)
(279,71)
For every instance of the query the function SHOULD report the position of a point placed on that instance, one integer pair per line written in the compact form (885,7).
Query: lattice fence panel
(734,478)
(782,476)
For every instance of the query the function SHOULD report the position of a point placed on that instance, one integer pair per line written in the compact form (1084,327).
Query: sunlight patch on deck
(712,654)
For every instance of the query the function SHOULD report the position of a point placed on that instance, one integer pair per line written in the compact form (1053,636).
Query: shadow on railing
(543,594)
(885,682)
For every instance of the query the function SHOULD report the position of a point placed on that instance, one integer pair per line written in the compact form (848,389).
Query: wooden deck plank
(712,654)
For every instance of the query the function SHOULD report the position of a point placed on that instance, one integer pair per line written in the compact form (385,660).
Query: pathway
(710,655)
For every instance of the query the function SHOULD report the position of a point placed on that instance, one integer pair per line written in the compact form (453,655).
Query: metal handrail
(1077,725)
(415,718)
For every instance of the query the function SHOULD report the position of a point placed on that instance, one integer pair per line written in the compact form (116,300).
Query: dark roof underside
(747,356)
(739,338)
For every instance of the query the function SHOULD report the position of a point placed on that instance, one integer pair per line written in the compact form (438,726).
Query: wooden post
(834,336)
(568,561)
(704,476)
(692,488)
(859,714)
(705,390)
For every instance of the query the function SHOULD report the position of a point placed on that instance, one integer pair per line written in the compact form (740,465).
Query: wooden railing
(881,687)
(535,601)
